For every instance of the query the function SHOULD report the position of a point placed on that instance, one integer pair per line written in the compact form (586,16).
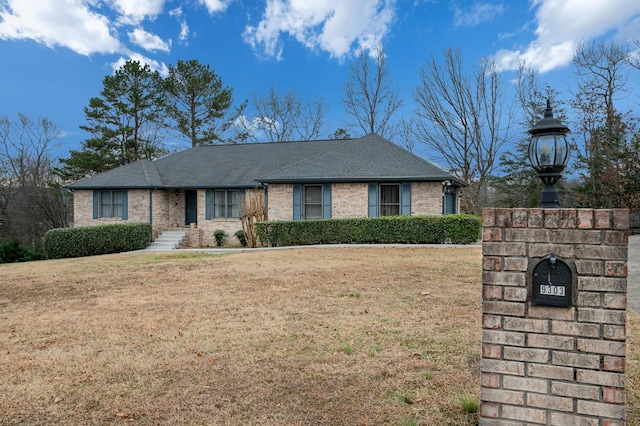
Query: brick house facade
(202,189)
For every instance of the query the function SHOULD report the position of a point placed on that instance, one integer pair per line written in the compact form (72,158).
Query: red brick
(497,366)
(488,217)
(603,378)
(525,384)
(550,402)
(503,249)
(503,218)
(492,292)
(572,328)
(586,298)
(488,409)
(600,316)
(515,294)
(600,409)
(513,309)
(602,347)
(570,236)
(491,263)
(551,218)
(543,250)
(520,218)
(608,284)
(491,234)
(491,321)
(616,238)
(589,267)
(516,264)
(585,218)
(615,301)
(565,343)
(614,332)
(527,324)
(570,359)
(490,380)
(550,372)
(615,269)
(491,351)
(614,363)
(600,252)
(526,354)
(613,395)
(500,337)
(527,234)
(613,423)
(575,391)
(503,396)
(550,312)
(535,218)
(564,419)
(621,219)
(530,415)
(602,219)
(517,279)
(568,218)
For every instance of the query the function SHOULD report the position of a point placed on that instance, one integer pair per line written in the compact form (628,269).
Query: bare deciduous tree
(369,98)
(608,137)
(30,202)
(283,118)
(463,118)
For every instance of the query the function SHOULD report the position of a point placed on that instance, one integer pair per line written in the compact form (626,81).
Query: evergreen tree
(197,102)
(125,123)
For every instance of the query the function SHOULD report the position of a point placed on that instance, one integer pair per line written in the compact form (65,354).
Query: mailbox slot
(552,282)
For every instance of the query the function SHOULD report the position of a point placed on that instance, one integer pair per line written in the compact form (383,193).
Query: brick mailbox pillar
(545,364)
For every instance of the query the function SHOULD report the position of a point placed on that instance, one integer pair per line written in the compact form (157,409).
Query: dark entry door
(449,200)
(191,204)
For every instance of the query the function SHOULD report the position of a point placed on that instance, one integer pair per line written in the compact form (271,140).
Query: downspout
(151,210)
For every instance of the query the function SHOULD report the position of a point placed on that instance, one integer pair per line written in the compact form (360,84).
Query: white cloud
(184,28)
(561,25)
(148,41)
(67,23)
(161,67)
(214,6)
(135,11)
(476,14)
(333,26)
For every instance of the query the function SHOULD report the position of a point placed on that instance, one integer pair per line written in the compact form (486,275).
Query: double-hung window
(111,203)
(225,204)
(389,200)
(312,199)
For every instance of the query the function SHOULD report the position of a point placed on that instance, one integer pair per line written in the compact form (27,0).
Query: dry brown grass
(303,336)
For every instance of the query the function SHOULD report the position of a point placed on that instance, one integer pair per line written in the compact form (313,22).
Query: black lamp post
(549,154)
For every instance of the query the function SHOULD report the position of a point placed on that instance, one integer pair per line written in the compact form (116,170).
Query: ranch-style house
(202,189)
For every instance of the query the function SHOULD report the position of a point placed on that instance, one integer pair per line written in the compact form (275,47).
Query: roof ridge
(347,142)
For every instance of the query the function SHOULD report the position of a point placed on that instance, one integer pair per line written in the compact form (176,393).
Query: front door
(191,206)
(449,200)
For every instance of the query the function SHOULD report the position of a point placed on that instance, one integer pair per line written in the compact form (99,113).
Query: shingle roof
(369,158)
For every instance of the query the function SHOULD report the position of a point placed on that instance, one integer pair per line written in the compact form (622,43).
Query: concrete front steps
(167,240)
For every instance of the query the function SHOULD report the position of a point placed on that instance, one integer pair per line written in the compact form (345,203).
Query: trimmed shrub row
(93,240)
(447,229)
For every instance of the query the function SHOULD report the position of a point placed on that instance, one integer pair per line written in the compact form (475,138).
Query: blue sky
(55,53)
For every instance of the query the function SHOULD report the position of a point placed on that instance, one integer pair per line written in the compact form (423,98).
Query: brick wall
(349,200)
(554,365)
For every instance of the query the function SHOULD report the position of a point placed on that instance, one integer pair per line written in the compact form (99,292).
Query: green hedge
(447,229)
(93,240)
